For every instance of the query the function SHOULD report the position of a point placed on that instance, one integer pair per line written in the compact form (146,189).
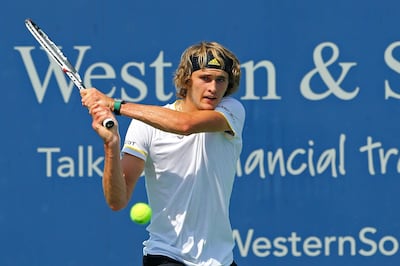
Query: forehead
(211,72)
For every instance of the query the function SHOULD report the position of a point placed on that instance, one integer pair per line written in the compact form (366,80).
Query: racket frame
(57,55)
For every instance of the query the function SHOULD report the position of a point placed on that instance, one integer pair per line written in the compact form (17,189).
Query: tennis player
(188,151)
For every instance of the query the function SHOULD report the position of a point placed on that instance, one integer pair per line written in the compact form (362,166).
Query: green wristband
(117,106)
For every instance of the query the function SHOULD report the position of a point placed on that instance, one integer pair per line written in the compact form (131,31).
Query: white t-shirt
(189,182)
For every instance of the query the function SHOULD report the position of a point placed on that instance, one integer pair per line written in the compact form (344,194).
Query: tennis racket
(55,53)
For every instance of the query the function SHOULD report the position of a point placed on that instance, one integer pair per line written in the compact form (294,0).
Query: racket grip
(108,123)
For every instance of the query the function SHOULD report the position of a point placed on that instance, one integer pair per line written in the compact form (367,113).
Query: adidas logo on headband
(212,62)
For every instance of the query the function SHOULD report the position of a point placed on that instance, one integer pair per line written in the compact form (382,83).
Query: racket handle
(108,123)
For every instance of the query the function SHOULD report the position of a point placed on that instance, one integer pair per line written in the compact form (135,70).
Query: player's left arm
(183,123)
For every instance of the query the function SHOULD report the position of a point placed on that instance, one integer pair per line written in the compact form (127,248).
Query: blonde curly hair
(198,57)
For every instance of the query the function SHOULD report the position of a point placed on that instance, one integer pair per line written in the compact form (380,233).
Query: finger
(83,102)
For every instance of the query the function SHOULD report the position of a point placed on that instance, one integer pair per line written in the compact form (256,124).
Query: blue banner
(318,179)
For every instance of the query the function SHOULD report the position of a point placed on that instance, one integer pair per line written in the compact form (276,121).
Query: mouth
(210,100)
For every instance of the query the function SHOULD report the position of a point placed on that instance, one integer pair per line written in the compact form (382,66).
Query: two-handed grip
(108,123)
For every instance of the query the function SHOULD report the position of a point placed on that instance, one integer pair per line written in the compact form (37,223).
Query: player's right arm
(120,175)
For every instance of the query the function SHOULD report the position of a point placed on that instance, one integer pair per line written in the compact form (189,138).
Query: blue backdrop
(318,179)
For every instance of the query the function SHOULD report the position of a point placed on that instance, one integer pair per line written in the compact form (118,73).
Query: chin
(208,107)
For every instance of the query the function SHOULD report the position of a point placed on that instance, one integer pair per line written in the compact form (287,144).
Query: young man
(188,150)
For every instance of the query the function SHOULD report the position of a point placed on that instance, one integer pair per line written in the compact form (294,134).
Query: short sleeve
(234,113)
(137,139)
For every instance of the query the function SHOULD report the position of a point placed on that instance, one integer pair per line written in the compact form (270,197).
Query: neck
(182,105)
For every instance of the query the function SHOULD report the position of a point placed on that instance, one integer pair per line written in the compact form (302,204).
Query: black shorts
(159,260)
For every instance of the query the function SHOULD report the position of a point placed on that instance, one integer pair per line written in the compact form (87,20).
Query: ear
(188,83)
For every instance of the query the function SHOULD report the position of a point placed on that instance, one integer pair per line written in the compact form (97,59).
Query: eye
(205,78)
(221,79)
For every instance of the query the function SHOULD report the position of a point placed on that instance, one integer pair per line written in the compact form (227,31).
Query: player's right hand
(99,113)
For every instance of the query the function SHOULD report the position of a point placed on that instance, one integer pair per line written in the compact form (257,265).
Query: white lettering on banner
(395,66)
(383,156)
(249,78)
(299,161)
(159,66)
(302,161)
(296,162)
(322,70)
(39,87)
(106,69)
(70,166)
(249,69)
(366,243)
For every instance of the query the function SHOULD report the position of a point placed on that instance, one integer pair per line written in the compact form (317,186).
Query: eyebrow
(219,77)
(222,75)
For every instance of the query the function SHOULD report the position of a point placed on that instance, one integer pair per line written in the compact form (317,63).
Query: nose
(212,86)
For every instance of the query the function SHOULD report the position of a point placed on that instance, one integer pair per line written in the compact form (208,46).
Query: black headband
(212,62)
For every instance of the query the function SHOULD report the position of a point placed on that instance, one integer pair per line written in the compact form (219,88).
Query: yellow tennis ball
(141,213)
